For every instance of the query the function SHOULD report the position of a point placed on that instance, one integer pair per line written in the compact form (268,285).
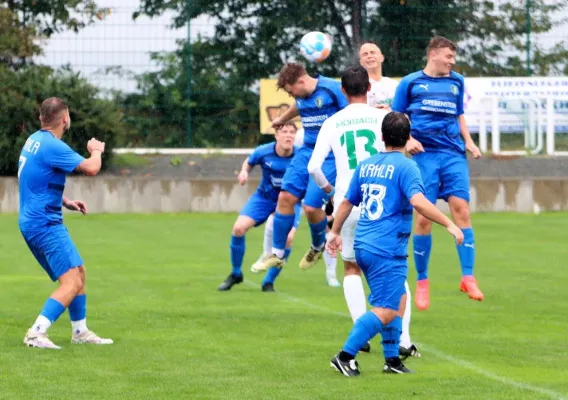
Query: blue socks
(52,310)
(283,224)
(273,272)
(466,252)
(391,337)
(237,254)
(364,329)
(318,233)
(422,245)
(78,308)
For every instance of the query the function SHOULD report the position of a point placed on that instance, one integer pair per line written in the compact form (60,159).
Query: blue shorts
(385,278)
(444,175)
(53,249)
(297,180)
(259,208)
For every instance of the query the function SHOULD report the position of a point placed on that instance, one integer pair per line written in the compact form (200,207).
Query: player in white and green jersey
(353,135)
(382,88)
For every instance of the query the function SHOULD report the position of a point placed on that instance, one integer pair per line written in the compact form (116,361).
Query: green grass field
(152,288)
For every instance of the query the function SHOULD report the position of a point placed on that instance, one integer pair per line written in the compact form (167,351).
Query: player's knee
(386,315)
(82,274)
(314,214)
(72,281)
(351,268)
(423,225)
(459,209)
(286,201)
(239,230)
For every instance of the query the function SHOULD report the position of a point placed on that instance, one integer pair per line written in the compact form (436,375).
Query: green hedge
(23,91)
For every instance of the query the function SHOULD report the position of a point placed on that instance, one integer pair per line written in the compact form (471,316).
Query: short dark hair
(355,81)
(51,109)
(395,129)
(287,123)
(440,42)
(289,74)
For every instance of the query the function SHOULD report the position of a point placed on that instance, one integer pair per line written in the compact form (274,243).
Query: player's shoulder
(331,83)
(412,77)
(374,159)
(456,75)
(265,149)
(406,164)
(457,78)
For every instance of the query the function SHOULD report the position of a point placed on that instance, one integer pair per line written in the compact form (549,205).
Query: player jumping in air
(316,100)
(433,100)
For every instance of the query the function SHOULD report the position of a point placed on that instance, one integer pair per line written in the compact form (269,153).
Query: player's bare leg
(422,245)
(284,217)
(354,293)
(315,216)
(459,209)
(70,283)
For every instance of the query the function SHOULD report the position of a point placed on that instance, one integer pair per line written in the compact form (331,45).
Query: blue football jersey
(382,186)
(273,168)
(433,106)
(42,168)
(326,100)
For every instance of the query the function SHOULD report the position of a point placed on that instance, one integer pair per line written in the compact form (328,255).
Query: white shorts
(348,230)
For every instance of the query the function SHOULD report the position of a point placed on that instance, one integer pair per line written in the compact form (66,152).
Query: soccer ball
(315,46)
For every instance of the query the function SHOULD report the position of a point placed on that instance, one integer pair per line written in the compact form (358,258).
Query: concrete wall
(151,195)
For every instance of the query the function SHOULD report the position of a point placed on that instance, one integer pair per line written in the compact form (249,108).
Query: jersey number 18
(373,196)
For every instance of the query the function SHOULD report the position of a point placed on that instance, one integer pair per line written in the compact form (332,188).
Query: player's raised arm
(92,165)
(321,151)
(290,113)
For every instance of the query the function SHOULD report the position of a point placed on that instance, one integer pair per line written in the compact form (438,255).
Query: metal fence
(115,53)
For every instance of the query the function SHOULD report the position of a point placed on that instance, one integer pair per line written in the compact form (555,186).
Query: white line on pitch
(440,354)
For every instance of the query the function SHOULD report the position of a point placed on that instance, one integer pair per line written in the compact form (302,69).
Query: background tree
(23,24)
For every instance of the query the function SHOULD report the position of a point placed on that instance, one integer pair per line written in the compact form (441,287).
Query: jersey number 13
(348,140)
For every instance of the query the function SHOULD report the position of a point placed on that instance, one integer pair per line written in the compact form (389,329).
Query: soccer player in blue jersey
(433,100)
(386,187)
(274,159)
(44,162)
(316,100)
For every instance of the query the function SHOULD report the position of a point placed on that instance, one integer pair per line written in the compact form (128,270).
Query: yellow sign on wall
(273,103)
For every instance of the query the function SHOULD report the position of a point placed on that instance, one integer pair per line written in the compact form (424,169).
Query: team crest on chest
(454,89)
(319,102)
